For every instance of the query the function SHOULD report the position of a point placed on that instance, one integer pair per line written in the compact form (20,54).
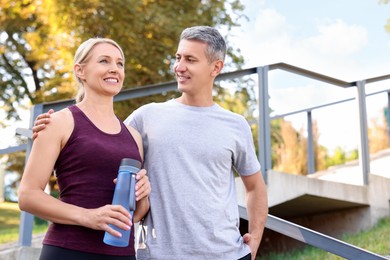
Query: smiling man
(191,147)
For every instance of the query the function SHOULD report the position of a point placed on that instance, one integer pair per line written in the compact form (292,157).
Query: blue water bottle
(124,195)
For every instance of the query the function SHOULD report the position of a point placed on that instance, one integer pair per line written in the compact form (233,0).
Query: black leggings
(59,253)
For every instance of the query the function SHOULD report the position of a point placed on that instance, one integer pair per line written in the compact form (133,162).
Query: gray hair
(216,46)
(82,55)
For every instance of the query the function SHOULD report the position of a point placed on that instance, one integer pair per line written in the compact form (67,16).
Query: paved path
(350,172)
(36,242)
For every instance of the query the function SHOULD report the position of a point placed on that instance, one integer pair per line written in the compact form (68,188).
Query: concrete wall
(372,203)
(12,251)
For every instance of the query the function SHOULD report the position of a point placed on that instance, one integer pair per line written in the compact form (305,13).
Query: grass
(9,223)
(376,240)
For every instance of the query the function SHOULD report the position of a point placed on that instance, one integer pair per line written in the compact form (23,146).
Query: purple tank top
(85,170)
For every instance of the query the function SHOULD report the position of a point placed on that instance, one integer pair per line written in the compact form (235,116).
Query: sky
(343,39)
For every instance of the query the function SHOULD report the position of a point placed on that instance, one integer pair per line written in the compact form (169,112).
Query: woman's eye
(103,61)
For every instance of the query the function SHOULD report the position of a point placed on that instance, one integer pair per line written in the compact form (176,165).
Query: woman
(85,143)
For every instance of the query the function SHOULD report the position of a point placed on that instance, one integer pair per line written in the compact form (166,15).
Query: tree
(378,134)
(32,57)
(289,148)
(38,40)
(339,157)
(291,152)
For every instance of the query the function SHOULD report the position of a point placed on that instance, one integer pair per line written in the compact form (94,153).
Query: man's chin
(180,89)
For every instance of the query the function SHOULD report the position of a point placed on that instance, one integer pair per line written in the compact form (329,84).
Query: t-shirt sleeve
(132,121)
(245,160)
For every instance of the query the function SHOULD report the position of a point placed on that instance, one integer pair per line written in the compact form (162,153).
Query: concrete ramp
(313,193)
(295,195)
(321,203)
(310,205)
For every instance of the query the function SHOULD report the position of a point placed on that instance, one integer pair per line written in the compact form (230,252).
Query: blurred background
(348,40)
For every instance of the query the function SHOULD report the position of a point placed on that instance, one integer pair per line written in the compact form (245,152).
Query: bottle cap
(131,162)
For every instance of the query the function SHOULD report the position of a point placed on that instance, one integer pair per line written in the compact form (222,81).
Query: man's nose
(180,66)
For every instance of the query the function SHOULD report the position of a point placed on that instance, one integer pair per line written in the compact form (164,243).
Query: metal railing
(264,112)
(287,228)
(316,239)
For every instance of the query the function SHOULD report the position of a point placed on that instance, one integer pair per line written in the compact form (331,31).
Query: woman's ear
(218,66)
(78,70)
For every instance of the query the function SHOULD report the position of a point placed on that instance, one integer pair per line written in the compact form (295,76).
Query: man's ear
(218,66)
(79,71)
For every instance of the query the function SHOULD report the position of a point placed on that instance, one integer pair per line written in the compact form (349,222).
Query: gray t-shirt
(190,153)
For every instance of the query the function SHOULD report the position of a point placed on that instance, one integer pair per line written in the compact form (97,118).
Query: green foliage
(276,139)
(38,40)
(340,156)
(30,54)
(15,162)
(9,219)
(9,223)
(352,155)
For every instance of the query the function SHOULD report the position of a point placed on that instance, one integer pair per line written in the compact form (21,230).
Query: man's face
(192,69)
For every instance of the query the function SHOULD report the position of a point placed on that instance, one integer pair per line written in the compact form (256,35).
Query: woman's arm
(39,167)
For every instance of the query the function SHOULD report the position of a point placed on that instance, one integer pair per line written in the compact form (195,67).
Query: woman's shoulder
(59,126)
(61,122)
(62,116)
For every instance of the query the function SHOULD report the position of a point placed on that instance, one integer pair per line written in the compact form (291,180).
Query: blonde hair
(82,54)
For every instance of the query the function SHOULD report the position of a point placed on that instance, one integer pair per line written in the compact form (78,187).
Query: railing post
(310,145)
(264,139)
(27,219)
(364,153)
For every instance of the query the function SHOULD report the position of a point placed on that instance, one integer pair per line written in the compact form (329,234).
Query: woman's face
(103,72)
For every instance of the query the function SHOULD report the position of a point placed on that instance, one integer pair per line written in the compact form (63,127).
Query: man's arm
(257,209)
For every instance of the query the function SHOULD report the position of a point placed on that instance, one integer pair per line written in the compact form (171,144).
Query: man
(192,148)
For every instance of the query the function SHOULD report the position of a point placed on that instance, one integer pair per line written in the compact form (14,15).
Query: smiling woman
(86,132)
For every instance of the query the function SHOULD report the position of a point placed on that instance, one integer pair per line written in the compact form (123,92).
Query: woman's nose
(113,69)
